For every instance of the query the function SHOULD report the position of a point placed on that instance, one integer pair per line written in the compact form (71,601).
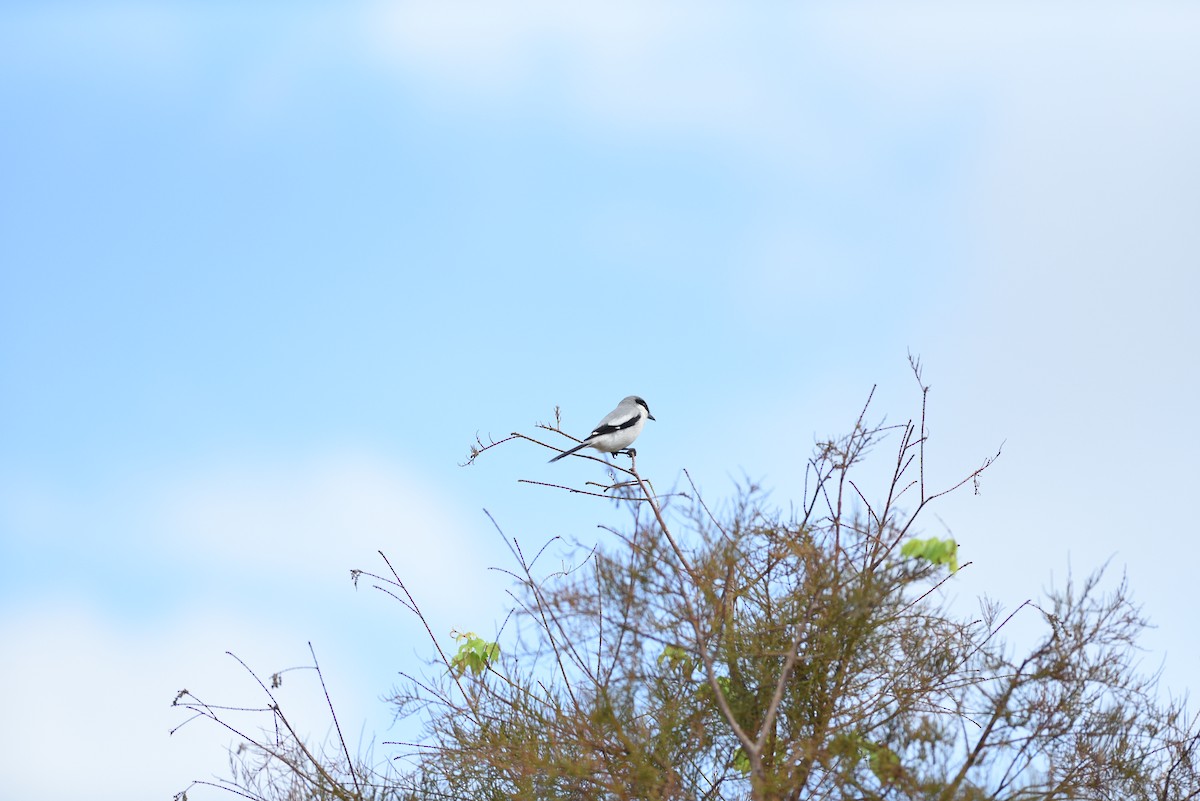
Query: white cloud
(1055,120)
(88,700)
(645,68)
(251,556)
(294,530)
(280,521)
(777,75)
(306,514)
(488,45)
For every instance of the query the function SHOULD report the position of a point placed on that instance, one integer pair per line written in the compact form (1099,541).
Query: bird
(617,431)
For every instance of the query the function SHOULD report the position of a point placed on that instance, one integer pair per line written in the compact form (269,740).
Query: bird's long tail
(578,447)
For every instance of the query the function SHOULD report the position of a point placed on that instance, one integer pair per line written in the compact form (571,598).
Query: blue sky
(266,271)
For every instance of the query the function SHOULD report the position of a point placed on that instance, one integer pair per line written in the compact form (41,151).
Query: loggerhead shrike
(617,431)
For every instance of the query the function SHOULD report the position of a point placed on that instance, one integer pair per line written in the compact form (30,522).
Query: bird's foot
(630,452)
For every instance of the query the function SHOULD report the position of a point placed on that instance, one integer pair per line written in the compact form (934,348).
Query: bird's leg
(630,452)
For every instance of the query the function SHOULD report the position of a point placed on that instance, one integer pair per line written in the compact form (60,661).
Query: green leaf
(885,763)
(474,653)
(676,659)
(741,762)
(849,746)
(934,550)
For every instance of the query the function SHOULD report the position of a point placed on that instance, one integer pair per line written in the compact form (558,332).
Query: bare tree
(750,653)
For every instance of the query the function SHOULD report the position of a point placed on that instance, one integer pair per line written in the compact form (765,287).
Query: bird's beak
(650,416)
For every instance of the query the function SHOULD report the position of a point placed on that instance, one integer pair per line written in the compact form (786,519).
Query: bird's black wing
(609,428)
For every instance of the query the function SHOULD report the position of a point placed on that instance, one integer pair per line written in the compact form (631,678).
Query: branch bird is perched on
(617,431)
